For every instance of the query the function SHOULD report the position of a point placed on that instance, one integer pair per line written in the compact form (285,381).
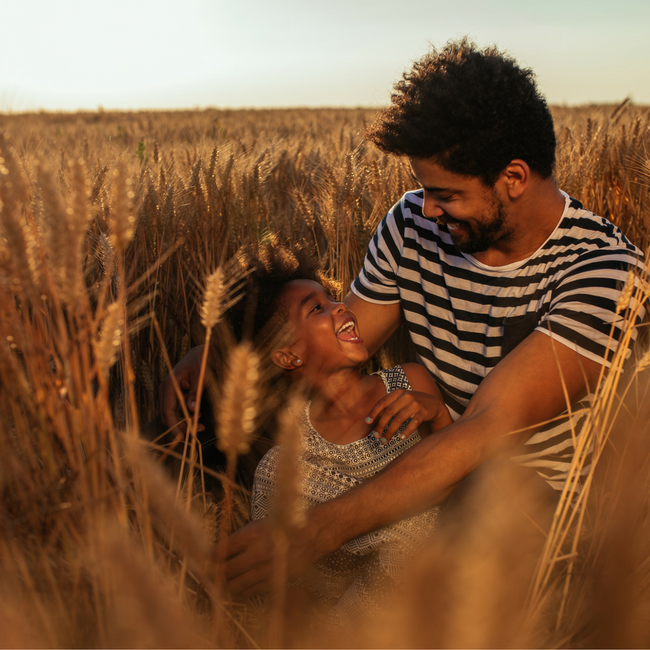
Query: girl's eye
(317,307)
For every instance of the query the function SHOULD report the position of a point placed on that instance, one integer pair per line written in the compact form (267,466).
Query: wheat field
(110,226)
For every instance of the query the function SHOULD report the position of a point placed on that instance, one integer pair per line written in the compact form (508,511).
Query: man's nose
(430,207)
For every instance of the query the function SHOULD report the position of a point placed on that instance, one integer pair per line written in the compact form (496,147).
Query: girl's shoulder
(411,376)
(395,378)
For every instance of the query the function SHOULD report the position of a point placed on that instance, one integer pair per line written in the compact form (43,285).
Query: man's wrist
(319,534)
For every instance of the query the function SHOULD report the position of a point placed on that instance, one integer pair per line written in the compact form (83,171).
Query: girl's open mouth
(348,333)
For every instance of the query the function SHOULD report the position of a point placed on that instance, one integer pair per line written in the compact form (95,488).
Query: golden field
(110,224)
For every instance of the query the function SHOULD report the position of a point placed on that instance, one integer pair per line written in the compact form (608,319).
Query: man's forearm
(417,480)
(531,385)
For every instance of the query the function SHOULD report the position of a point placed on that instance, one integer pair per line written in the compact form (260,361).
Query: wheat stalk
(109,340)
(286,509)
(239,400)
(22,269)
(287,513)
(216,293)
(122,219)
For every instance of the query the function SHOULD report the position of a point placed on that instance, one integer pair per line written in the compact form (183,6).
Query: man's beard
(479,237)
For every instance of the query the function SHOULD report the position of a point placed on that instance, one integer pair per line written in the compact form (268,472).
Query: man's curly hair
(472,110)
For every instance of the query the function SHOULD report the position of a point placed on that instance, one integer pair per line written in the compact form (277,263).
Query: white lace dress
(353,578)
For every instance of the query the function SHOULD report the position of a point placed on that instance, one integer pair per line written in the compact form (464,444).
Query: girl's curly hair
(267,267)
(259,315)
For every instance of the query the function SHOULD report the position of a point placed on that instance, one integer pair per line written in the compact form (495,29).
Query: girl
(322,347)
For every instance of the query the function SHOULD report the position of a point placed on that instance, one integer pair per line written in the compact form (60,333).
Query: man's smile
(453,225)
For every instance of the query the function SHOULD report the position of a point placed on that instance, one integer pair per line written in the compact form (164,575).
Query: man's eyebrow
(431,189)
(439,189)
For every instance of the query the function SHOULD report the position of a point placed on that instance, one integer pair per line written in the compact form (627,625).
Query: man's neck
(533,217)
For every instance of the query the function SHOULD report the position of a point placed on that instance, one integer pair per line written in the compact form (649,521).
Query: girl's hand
(402,405)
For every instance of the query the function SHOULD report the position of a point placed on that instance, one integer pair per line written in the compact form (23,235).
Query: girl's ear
(285,359)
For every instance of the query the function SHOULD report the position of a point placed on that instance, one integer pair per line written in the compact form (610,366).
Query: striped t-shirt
(464,316)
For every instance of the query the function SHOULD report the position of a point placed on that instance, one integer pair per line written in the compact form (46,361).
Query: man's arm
(529,386)
(376,321)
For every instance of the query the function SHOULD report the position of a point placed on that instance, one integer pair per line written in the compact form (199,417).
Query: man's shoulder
(404,218)
(583,231)
(409,205)
(413,197)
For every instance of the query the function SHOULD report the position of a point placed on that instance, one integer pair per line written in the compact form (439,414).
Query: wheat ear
(108,342)
(626,293)
(122,219)
(239,400)
(75,224)
(214,300)
(20,244)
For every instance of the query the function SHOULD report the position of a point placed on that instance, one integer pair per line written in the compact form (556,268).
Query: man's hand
(186,372)
(250,552)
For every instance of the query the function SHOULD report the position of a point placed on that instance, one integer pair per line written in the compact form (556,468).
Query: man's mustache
(445,220)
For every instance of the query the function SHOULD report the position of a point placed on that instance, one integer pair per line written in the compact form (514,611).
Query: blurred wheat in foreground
(109,225)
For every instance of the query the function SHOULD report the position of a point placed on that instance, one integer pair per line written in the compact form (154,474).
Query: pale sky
(137,54)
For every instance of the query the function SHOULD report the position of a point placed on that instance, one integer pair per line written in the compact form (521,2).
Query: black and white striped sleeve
(583,311)
(377,280)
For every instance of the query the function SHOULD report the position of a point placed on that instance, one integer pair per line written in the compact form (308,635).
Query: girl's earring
(298,362)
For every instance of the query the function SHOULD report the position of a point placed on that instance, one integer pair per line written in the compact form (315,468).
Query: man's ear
(516,177)
(285,359)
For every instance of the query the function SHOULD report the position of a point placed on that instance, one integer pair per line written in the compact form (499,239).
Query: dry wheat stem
(286,512)
(594,432)
(565,514)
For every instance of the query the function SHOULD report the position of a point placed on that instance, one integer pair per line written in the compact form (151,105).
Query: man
(508,288)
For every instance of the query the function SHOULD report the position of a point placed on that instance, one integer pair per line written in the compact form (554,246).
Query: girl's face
(325,332)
